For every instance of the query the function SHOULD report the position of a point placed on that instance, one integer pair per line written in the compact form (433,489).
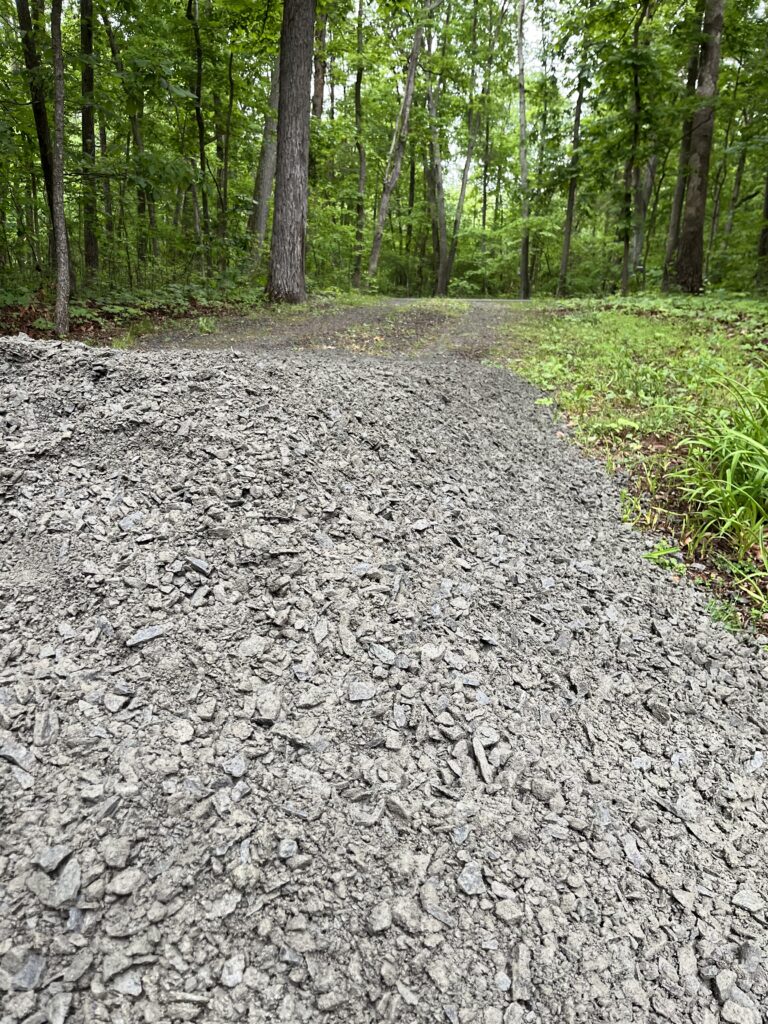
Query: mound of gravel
(337,690)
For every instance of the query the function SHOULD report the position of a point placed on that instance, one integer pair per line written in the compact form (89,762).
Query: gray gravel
(337,690)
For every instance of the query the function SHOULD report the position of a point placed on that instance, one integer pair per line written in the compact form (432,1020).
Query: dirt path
(335,689)
(385,326)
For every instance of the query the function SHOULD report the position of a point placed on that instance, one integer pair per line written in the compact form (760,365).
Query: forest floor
(336,688)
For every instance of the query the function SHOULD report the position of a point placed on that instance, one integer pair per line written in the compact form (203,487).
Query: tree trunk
(88,134)
(690,264)
(761,277)
(570,208)
(61,310)
(357,272)
(37,97)
(675,217)
(736,190)
(525,285)
(396,150)
(630,167)
(321,66)
(287,260)
(644,181)
(438,195)
(473,128)
(193,13)
(265,174)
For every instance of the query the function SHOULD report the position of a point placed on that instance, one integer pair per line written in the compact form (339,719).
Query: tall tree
(61,310)
(678,199)
(37,93)
(265,173)
(573,181)
(761,277)
(525,202)
(397,148)
(357,271)
(690,263)
(88,135)
(287,259)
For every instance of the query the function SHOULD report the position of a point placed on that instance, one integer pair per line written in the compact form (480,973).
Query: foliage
(676,394)
(151,197)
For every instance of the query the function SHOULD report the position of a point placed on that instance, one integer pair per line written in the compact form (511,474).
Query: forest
(430,147)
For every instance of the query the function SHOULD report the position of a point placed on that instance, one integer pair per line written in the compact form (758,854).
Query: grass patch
(674,393)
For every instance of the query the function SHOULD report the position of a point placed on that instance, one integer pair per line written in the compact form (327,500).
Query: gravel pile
(337,690)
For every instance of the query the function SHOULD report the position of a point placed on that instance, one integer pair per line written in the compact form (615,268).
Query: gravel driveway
(334,688)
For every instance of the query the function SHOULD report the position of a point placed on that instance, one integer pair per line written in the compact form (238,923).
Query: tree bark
(321,66)
(396,149)
(690,264)
(675,217)
(265,174)
(438,195)
(761,277)
(357,271)
(736,190)
(473,128)
(288,256)
(37,97)
(61,310)
(88,136)
(573,181)
(193,16)
(630,167)
(525,212)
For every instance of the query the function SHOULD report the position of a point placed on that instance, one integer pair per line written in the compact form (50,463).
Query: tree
(265,173)
(287,260)
(690,264)
(61,310)
(573,171)
(525,211)
(88,130)
(396,149)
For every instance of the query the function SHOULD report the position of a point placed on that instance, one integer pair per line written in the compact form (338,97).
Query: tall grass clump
(724,479)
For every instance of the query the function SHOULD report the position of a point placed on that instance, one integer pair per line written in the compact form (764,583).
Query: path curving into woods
(333,688)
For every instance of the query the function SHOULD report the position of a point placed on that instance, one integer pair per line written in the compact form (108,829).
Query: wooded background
(478,147)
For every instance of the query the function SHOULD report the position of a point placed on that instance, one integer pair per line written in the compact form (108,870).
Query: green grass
(674,392)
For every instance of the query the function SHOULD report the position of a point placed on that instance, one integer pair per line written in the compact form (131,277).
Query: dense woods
(420,147)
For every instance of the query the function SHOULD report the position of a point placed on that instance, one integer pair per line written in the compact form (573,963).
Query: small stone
(520,965)
(287,848)
(383,654)
(126,882)
(58,1007)
(180,730)
(50,857)
(268,705)
(29,977)
(406,914)
(115,702)
(128,984)
(115,852)
(233,970)
(503,981)
(738,1013)
(380,918)
(114,964)
(199,565)
(543,789)
(235,766)
(508,911)
(361,689)
(145,635)
(67,885)
(471,879)
(252,647)
(723,984)
(748,899)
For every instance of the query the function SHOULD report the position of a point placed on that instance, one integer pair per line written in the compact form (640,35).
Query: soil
(334,688)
